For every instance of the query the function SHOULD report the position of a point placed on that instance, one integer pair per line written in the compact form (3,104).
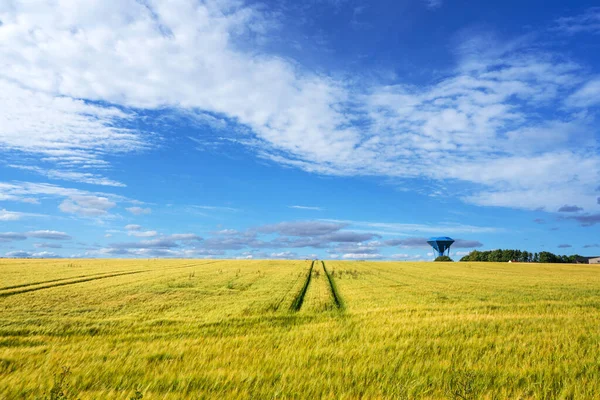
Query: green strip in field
(321,295)
(337,298)
(299,299)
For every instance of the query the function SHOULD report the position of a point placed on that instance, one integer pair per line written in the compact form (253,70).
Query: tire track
(299,299)
(275,307)
(87,278)
(337,299)
(58,280)
(34,289)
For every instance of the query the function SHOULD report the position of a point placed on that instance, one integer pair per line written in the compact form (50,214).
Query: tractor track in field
(276,306)
(85,276)
(299,299)
(54,280)
(72,282)
(335,294)
(25,288)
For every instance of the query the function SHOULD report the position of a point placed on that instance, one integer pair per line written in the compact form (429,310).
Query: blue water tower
(441,244)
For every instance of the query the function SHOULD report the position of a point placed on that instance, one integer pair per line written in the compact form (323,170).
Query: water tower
(441,244)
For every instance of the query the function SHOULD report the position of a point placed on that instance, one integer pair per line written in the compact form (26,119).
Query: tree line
(507,255)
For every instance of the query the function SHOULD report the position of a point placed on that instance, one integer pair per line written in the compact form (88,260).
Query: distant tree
(495,256)
(518,255)
(443,258)
(547,257)
(505,255)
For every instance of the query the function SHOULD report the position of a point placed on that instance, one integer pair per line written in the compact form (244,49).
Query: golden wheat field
(189,329)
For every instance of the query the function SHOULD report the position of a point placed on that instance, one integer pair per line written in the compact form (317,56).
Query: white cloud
(489,111)
(402,229)
(586,96)
(139,210)
(27,254)
(215,208)
(74,201)
(365,256)
(433,4)
(47,234)
(184,236)
(306,208)
(87,206)
(63,130)
(6,215)
(83,177)
(133,227)
(143,233)
(587,22)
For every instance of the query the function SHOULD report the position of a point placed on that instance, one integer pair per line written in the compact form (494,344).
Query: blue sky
(334,129)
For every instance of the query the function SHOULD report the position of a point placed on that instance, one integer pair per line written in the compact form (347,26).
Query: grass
(185,329)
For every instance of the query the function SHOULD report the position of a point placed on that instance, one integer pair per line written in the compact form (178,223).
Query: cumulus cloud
(47,245)
(422,242)
(161,243)
(42,234)
(133,227)
(185,236)
(138,210)
(143,233)
(10,215)
(357,248)
(358,256)
(88,206)
(18,254)
(567,208)
(11,236)
(27,254)
(587,219)
(466,244)
(47,234)
(303,228)
(348,236)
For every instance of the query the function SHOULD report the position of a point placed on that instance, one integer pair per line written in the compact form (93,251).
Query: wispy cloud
(586,22)
(481,122)
(433,4)
(6,215)
(139,210)
(74,176)
(73,201)
(310,208)
(402,229)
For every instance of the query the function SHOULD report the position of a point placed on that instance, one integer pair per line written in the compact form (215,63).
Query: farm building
(588,260)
